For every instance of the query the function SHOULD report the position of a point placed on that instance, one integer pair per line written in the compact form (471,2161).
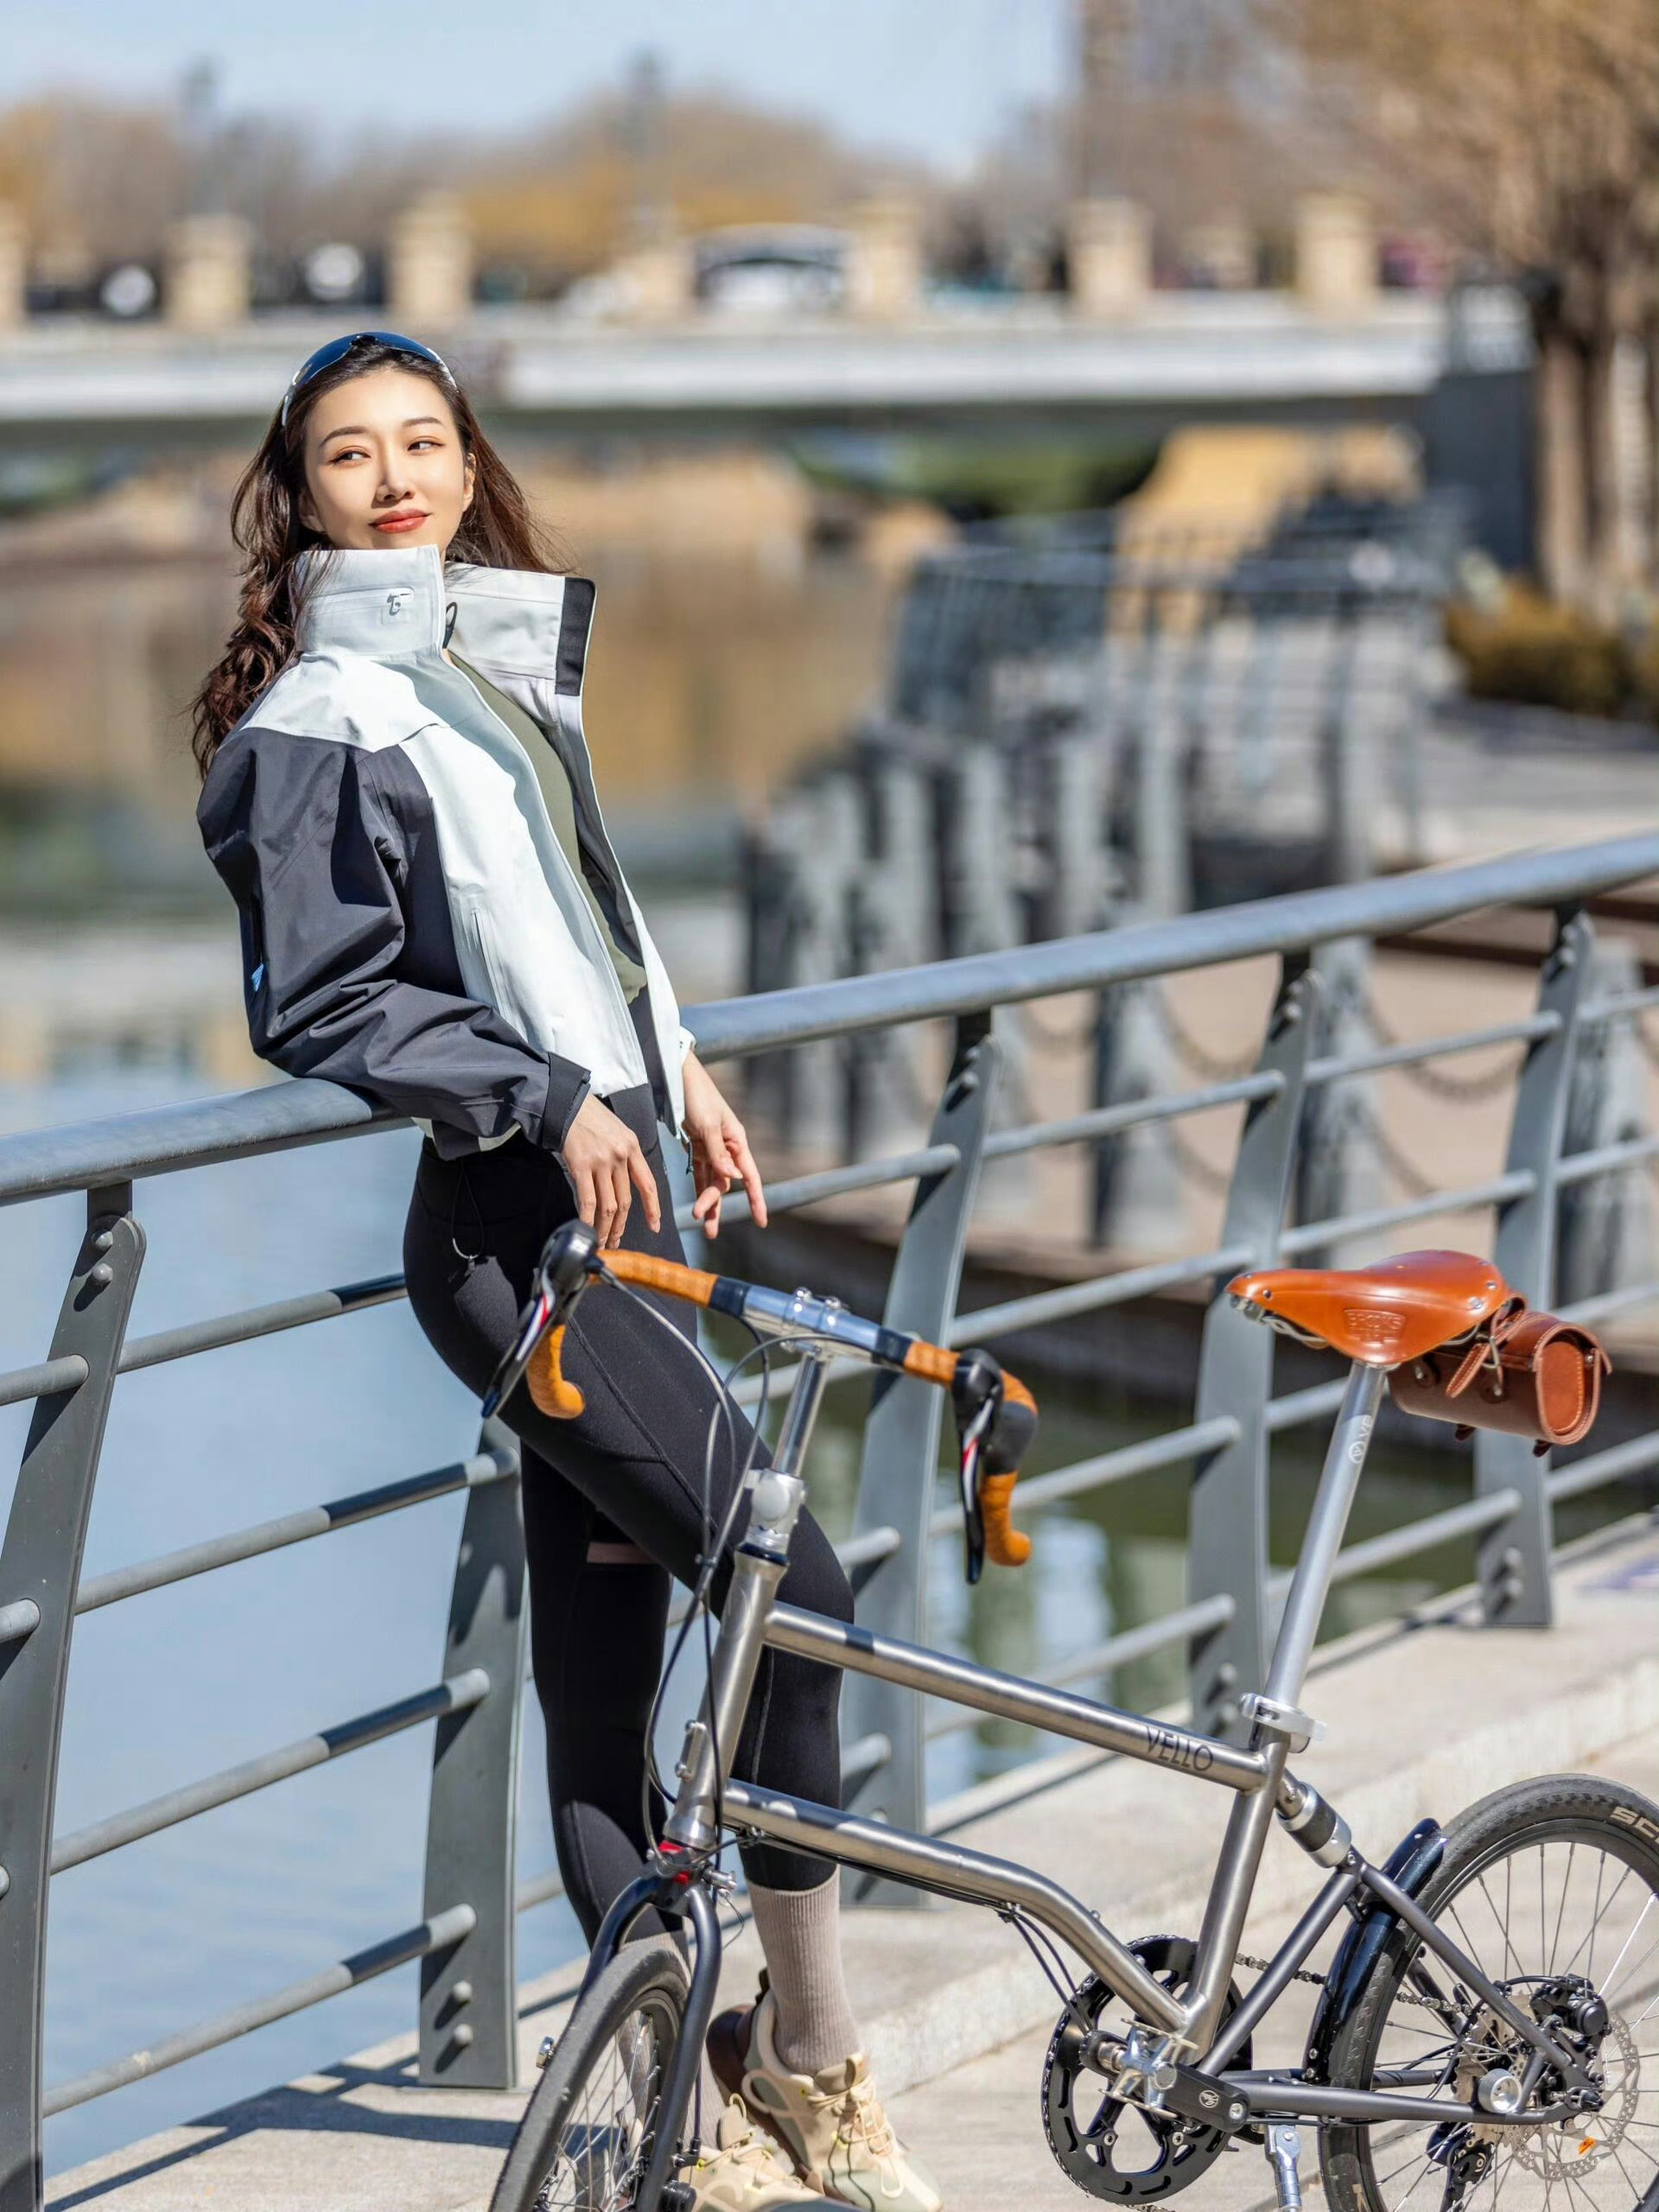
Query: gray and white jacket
(410,926)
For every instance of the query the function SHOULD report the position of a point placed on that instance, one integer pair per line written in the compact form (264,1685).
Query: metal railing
(465,1936)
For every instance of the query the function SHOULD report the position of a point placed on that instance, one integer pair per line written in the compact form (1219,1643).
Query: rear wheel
(1552,1888)
(586,2138)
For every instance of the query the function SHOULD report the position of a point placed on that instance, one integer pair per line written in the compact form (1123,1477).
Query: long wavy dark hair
(497,531)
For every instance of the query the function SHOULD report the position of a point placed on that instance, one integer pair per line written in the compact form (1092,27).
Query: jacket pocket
(479,939)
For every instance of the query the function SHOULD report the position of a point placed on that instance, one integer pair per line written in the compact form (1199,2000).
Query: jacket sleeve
(313,857)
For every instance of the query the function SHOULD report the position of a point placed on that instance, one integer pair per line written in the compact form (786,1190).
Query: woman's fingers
(705,1208)
(645,1182)
(582,1178)
(738,1145)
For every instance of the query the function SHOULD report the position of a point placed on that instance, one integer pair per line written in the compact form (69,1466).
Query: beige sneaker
(831,2122)
(745,2172)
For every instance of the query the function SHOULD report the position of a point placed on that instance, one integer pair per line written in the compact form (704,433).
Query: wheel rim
(605,2142)
(1540,1916)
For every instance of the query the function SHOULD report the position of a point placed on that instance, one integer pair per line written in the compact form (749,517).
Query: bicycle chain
(1401,1996)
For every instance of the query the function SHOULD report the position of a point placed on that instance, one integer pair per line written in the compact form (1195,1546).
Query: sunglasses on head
(338,348)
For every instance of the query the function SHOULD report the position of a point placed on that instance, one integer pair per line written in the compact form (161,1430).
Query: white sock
(800,1934)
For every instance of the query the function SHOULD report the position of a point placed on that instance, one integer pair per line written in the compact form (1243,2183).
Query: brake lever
(562,1273)
(973,1518)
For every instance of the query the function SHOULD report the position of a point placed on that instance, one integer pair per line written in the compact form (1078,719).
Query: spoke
(1469,1944)
(1509,1951)
(1428,2168)
(1611,1983)
(1566,1884)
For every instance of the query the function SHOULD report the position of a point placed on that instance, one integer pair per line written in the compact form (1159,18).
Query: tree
(1530,129)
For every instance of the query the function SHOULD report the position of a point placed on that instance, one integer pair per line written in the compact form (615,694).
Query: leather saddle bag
(1527,1373)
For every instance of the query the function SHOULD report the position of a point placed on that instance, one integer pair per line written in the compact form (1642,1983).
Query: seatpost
(1345,1461)
(776,1495)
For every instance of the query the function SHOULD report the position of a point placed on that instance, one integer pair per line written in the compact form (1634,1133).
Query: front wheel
(586,2138)
(1552,1888)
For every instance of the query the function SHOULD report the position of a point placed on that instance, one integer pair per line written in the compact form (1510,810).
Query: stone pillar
(658,281)
(208,282)
(429,265)
(1336,253)
(1108,252)
(884,262)
(14,267)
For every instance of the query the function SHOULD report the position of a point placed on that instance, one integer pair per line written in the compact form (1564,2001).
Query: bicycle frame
(1257,1775)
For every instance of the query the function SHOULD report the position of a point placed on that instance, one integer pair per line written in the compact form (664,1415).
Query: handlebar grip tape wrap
(1011,1431)
(693,1284)
(550,1391)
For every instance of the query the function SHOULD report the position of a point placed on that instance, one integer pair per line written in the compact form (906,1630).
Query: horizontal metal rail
(299,1527)
(1395,1544)
(796,1191)
(20,1618)
(257,1321)
(1608,1302)
(1468,1199)
(1583,1167)
(40,1382)
(456,1695)
(1336,1067)
(1617,1004)
(1107,1121)
(434,1935)
(1602,1467)
(1299,1406)
(1084,1475)
(1117,1651)
(1016,1313)
(280,1116)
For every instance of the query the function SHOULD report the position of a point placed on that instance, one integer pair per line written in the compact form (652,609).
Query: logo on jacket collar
(396,603)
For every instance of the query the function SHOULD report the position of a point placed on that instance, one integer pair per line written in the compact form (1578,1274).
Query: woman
(424,923)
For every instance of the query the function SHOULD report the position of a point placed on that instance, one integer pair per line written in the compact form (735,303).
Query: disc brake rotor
(1107,2147)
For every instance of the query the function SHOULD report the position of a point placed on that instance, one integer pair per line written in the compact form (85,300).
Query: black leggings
(627,1472)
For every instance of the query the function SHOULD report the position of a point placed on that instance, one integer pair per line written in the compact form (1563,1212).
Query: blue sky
(931,76)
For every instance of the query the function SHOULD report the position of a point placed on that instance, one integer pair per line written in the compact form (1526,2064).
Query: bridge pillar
(14,266)
(660,280)
(884,262)
(1108,251)
(1336,253)
(429,265)
(207,273)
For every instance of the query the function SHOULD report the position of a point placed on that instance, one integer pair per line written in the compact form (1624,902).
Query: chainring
(1126,2152)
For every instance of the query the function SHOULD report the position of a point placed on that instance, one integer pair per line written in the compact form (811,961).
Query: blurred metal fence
(464,1935)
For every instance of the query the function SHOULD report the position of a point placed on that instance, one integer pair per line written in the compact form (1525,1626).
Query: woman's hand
(604,1158)
(720,1149)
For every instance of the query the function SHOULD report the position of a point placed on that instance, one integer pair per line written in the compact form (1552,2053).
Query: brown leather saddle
(1385,1314)
(1459,1344)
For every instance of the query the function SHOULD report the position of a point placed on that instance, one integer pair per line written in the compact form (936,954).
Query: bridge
(1184,358)
(423,2123)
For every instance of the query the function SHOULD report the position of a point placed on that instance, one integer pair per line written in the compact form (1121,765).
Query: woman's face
(384,463)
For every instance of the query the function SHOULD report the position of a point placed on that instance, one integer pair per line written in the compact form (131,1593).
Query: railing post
(469,1989)
(1512,1560)
(901,1443)
(40,1566)
(1227,1546)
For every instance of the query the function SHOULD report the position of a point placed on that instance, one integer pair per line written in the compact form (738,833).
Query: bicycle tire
(552,2166)
(1522,1871)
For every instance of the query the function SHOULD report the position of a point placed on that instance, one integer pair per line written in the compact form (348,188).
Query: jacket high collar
(404,603)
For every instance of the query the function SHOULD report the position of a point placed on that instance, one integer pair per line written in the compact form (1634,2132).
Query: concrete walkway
(1422,1718)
